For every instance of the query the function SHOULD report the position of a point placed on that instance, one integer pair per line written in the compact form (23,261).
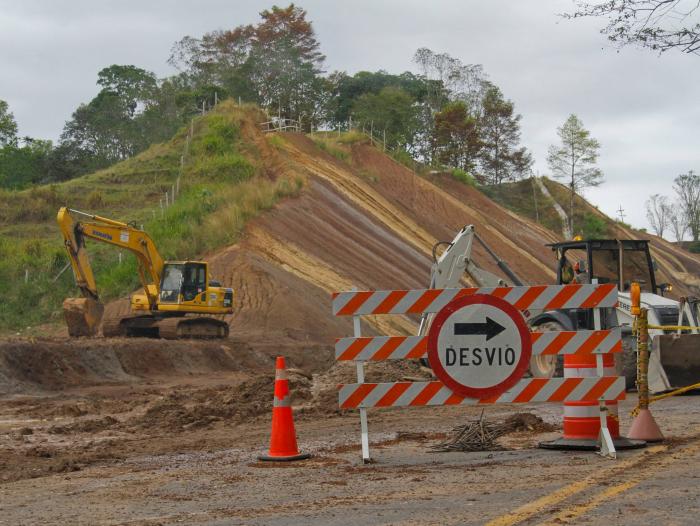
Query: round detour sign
(479,346)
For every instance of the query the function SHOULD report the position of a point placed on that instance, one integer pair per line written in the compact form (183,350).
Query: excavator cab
(182,282)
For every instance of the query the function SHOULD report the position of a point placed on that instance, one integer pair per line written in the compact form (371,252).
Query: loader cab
(183,281)
(607,260)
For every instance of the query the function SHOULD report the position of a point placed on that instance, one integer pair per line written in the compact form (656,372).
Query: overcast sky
(641,107)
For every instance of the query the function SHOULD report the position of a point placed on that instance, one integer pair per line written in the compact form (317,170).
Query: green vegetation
(694,247)
(594,226)
(464,177)
(220,190)
(525,199)
(326,143)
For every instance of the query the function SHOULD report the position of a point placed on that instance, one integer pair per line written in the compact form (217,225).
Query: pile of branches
(480,435)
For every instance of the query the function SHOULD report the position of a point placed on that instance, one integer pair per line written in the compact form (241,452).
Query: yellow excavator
(179,299)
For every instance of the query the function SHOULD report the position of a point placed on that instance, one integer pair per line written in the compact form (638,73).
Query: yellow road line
(577,510)
(533,508)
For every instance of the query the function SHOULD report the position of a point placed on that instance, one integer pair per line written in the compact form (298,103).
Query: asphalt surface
(406,484)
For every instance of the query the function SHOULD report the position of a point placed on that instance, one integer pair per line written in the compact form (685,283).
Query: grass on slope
(525,199)
(222,187)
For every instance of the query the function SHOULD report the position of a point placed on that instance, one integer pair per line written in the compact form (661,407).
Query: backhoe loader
(179,299)
(675,356)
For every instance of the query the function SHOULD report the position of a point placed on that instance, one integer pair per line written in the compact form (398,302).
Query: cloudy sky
(641,107)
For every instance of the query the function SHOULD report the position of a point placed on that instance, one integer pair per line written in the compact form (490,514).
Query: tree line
(681,215)
(447,115)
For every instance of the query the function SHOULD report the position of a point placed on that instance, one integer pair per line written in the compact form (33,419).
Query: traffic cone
(582,419)
(283,440)
(644,427)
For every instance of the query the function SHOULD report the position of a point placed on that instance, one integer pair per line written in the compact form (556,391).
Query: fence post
(384,141)
(26,275)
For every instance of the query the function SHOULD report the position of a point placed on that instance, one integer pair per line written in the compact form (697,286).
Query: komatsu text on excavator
(179,298)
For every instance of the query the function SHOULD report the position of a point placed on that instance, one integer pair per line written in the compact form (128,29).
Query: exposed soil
(123,406)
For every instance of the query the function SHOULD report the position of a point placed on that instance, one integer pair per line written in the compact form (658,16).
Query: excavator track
(195,327)
(112,328)
(175,328)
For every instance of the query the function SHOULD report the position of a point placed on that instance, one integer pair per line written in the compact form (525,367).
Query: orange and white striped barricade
(479,347)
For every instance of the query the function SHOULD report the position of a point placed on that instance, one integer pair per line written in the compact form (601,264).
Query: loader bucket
(83,316)
(680,358)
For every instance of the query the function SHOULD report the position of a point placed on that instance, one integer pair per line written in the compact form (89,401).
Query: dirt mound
(246,401)
(85,426)
(520,422)
(35,365)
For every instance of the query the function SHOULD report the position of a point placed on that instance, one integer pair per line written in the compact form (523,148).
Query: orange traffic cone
(283,441)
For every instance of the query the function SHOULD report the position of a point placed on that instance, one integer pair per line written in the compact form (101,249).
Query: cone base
(579,444)
(644,427)
(301,456)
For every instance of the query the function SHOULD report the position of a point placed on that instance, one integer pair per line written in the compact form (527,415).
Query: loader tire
(547,366)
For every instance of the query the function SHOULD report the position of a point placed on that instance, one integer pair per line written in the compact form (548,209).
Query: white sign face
(124,236)
(479,346)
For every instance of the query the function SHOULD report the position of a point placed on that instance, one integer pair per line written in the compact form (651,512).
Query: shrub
(594,227)
(694,247)
(229,168)
(464,177)
(95,199)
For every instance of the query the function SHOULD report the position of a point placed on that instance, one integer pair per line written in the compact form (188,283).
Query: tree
(659,213)
(346,89)
(455,139)
(392,110)
(134,86)
(574,160)
(276,63)
(21,166)
(687,187)
(677,221)
(660,25)
(499,129)
(8,126)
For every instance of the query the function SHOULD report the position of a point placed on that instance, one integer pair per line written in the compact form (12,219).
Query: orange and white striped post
(589,425)
(582,420)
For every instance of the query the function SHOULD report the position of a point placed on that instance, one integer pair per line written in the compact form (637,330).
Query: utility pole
(620,212)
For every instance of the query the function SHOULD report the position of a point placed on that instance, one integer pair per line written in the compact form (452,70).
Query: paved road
(408,484)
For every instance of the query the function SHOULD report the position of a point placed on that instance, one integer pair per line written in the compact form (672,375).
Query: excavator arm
(83,315)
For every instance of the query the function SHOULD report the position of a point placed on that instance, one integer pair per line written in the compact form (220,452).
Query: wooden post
(26,275)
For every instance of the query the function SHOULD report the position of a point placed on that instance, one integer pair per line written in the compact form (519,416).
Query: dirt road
(92,457)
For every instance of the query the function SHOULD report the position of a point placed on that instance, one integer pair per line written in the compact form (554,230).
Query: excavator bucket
(679,356)
(83,316)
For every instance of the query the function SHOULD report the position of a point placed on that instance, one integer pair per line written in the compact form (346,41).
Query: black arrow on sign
(489,328)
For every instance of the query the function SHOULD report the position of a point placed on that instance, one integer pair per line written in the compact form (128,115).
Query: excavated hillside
(360,219)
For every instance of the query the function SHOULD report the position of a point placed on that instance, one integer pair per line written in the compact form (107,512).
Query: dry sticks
(479,435)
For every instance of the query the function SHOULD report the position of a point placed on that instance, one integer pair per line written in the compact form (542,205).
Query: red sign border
(479,392)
